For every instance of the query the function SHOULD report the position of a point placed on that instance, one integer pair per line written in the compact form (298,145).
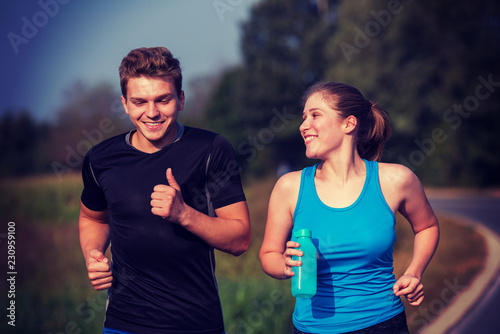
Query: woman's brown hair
(373,128)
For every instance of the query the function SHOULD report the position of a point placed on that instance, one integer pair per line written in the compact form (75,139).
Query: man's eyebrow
(157,98)
(164,96)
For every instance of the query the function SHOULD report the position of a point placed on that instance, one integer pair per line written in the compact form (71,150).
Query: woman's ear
(350,124)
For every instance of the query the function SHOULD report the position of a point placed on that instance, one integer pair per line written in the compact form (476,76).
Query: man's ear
(124,103)
(350,124)
(181,100)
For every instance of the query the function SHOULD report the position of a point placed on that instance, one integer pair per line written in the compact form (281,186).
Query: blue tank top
(355,265)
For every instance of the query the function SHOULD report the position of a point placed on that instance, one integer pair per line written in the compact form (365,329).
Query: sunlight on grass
(54,294)
(42,198)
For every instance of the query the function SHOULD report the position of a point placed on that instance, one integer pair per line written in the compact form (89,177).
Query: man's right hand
(99,270)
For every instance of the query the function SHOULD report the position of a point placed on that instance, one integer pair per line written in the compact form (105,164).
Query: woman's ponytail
(377,131)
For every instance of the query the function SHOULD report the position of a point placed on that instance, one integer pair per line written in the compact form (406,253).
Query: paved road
(484,317)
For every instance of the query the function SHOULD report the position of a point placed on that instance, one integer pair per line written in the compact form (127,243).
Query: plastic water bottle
(304,282)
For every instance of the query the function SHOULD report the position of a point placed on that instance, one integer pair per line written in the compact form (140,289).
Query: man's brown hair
(150,62)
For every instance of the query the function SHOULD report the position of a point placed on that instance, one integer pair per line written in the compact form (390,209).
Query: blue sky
(48,45)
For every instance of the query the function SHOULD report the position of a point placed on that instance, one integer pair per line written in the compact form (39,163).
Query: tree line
(88,115)
(432,65)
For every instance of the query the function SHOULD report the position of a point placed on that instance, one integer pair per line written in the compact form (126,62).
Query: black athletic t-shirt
(164,276)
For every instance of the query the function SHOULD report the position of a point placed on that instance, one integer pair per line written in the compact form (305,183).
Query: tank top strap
(307,189)
(374,189)
(371,171)
(371,182)
(372,177)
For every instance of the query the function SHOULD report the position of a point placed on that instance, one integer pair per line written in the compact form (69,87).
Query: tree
(88,115)
(257,106)
(198,93)
(422,60)
(21,143)
(432,65)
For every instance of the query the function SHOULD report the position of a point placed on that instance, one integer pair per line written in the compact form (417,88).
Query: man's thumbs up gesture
(167,201)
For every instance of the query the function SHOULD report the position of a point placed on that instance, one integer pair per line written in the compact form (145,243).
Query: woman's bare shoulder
(290,179)
(284,197)
(395,172)
(397,176)
(288,183)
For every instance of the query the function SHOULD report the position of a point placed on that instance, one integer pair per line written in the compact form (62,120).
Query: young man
(164,196)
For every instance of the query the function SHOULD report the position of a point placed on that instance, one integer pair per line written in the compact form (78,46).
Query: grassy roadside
(459,257)
(53,294)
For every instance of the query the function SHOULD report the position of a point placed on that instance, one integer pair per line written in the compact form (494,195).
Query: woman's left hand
(411,288)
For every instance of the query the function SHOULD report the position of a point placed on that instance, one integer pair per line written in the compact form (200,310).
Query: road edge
(469,297)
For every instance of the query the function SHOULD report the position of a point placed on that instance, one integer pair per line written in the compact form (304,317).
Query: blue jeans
(114,331)
(117,331)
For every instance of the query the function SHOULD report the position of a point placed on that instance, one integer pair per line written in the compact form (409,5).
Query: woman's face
(322,128)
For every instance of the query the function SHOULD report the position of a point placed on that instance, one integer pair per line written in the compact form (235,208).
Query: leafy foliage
(432,65)
(282,45)
(424,61)
(88,115)
(21,143)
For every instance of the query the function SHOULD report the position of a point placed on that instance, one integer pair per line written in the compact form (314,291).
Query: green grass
(459,257)
(42,199)
(53,294)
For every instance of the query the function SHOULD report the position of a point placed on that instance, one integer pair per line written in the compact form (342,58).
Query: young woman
(349,201)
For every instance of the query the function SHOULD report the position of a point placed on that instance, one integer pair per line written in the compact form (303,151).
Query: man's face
(153,105)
